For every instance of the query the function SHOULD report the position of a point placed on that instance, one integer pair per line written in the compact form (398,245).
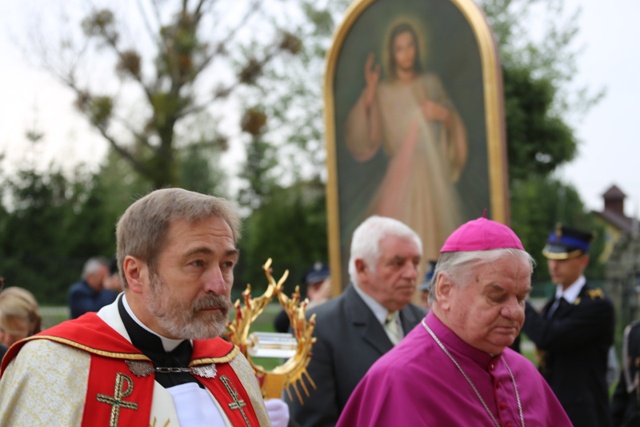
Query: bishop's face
(486,310)
(189,296)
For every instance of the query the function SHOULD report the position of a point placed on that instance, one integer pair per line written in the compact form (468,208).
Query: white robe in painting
(425,157)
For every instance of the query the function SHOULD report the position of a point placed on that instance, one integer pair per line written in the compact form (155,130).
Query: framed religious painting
(414,122)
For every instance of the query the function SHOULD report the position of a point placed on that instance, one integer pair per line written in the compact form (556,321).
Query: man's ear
(360,265)
(361,272)
(443,288)
(136,272)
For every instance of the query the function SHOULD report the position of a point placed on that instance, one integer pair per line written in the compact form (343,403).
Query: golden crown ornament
(295,347)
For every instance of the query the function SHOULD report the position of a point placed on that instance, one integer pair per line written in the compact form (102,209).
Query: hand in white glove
(278,412)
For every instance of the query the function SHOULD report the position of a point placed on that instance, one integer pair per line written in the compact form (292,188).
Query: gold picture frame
(462,52)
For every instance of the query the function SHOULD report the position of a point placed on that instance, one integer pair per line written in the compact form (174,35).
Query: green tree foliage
(260,162)
(538,140)
(119,184)
(287,223)
(290,228)
(197,172)
(538,205)
(50,226)
(199,161)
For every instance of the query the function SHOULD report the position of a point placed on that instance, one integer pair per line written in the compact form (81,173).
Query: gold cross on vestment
(123,388)
(237,403)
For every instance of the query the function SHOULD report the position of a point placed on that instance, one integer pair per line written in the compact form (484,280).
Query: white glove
(278,412)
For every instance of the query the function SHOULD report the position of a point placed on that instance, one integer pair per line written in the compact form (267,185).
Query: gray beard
(188,321)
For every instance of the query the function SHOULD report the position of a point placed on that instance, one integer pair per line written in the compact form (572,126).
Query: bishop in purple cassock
(455,368)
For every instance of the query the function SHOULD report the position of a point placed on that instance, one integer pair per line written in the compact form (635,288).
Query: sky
(609,150)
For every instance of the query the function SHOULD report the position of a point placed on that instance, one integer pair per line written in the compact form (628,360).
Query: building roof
(621,222)
(613,212)
(613,193)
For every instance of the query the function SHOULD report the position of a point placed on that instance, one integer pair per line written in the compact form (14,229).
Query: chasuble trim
(71,343)
(222,359)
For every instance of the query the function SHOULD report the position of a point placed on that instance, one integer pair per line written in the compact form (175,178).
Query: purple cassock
(419,384)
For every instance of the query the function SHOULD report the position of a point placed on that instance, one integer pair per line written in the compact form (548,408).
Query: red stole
(115,396)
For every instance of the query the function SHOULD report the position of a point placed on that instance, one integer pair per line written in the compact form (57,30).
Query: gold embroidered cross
(237,403)
(123,388)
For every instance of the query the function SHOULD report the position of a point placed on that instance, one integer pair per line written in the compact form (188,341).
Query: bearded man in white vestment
(155,356)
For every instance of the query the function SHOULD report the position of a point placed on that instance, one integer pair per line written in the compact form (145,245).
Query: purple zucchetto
(481,234)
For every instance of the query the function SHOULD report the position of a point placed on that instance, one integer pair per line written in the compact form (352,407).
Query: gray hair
(142,229)
(93,265)
(458,264)
(365,242)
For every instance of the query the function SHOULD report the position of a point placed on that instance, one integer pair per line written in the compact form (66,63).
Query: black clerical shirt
(151,346)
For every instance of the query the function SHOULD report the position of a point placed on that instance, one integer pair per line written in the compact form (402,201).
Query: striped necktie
(392,327)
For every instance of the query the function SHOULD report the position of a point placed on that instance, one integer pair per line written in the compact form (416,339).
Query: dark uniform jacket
(573,346)
(626,398)
(349,340)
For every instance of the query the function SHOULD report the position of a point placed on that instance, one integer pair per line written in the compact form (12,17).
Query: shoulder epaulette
(595,293)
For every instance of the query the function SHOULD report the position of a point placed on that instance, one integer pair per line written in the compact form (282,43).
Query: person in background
(625,403)
(426,285)
(19,316)
(574,332)
(155,356)
(318,290)
(89,293)
(456,367)
(372,314)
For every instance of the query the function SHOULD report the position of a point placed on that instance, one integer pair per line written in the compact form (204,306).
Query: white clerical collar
(378,310)
(572,291)
(167,343)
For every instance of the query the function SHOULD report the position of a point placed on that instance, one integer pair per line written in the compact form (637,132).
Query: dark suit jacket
(574,345)
(349,340)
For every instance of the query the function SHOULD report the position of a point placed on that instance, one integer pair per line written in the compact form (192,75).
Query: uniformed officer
(574,331)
